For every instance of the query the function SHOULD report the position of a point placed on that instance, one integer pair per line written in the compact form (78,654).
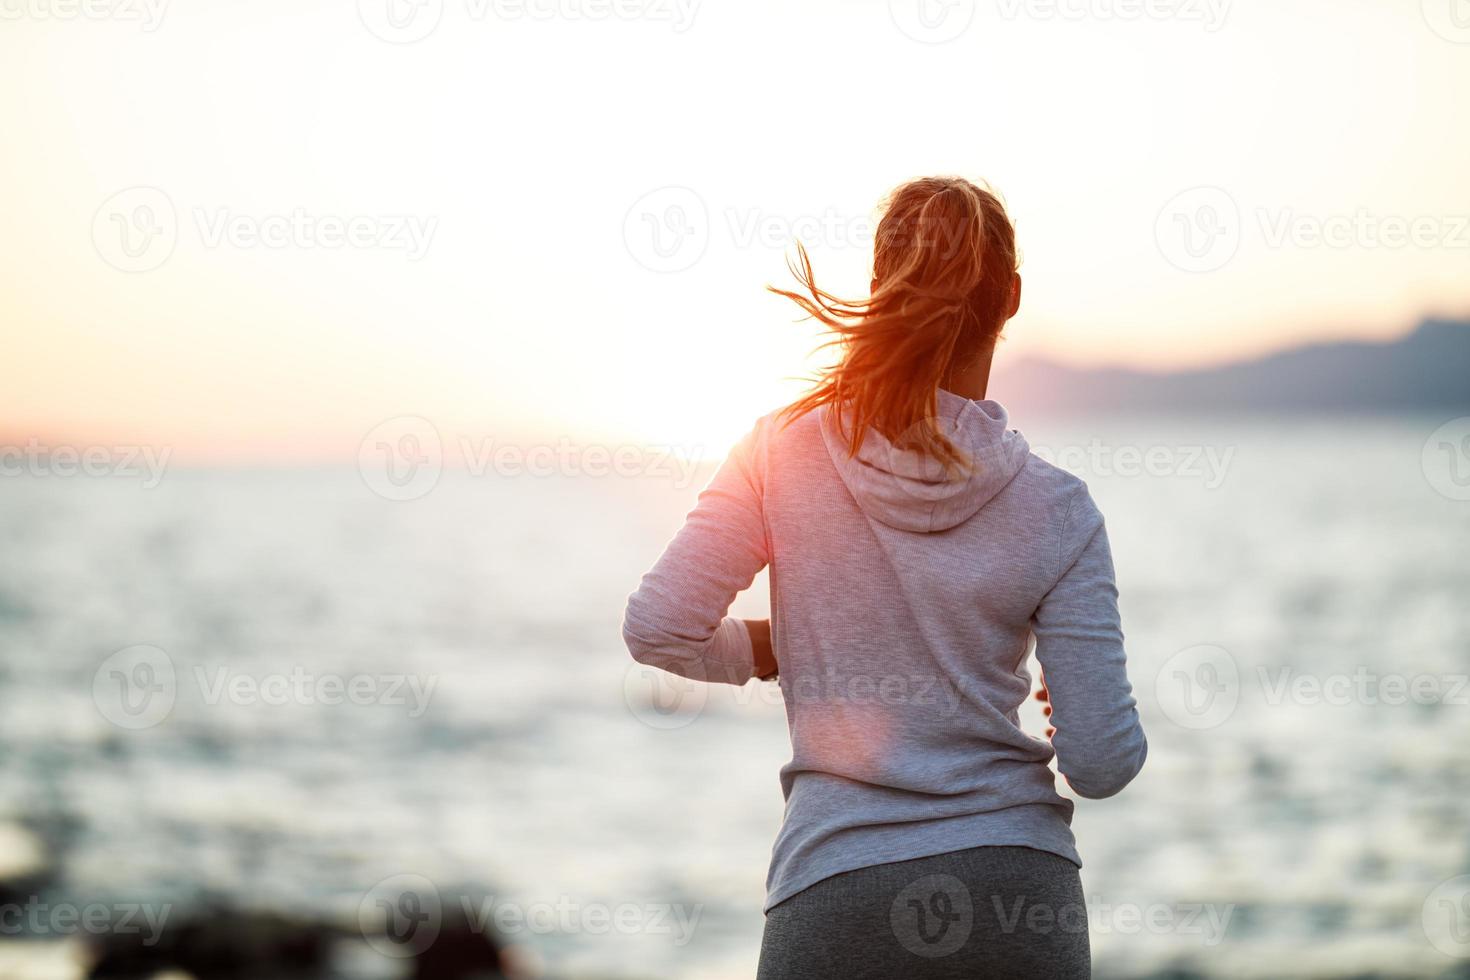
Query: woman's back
(904,596)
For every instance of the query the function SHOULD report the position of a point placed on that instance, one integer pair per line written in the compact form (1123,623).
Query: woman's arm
(676,620)
(762,652)
(1079,643)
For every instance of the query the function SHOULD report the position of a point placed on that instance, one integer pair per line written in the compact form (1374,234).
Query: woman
(916,547)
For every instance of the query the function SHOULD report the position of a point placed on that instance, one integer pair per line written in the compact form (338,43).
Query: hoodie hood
(910,491)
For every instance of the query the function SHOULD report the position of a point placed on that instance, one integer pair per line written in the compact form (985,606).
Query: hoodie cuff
(730,656)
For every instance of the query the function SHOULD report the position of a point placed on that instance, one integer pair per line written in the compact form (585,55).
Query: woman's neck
(970,379)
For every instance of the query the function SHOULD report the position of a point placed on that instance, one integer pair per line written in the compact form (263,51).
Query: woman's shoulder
(782,430)
(1062,494)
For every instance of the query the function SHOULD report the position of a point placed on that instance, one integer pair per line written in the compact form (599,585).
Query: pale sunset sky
(468,210)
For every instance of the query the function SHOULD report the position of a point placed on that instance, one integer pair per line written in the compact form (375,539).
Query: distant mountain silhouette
(1427,370)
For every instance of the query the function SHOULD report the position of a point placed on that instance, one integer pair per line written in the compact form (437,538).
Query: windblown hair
(944,257)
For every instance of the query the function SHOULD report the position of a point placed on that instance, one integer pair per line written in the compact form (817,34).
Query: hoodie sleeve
(676,619)
(1099,741)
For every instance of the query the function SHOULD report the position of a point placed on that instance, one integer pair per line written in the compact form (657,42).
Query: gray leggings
(1008,912)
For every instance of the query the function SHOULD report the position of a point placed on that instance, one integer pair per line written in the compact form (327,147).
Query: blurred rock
(222,944)
(219,944)
(461,952)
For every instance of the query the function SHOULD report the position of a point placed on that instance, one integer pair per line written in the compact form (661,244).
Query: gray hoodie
(905,600)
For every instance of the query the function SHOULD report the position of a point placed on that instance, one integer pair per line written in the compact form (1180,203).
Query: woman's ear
(1015,296)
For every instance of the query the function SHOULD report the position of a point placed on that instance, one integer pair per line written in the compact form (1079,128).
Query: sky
(254,232)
